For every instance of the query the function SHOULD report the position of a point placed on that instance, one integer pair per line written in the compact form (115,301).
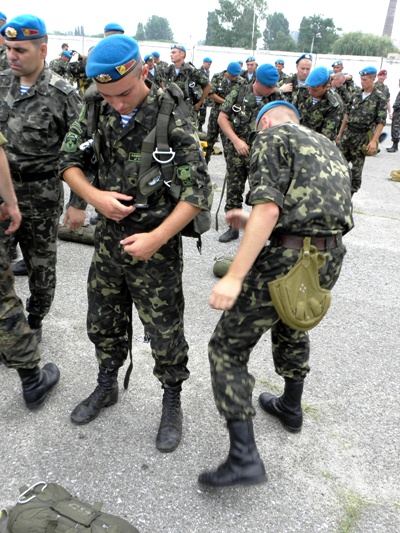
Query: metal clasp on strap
(236,108)
(157,152)
(86,145)
(22,501)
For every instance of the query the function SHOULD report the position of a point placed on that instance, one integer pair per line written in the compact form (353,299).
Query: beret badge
(11,33)
(104,78)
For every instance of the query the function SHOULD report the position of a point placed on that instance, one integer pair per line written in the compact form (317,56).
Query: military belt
(296,241)
(358,129)
(25,177)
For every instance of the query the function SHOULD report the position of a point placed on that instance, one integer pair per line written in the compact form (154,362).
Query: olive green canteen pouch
(298,298)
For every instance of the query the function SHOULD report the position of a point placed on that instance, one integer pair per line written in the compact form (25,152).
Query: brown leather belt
(296,241)
(25,177)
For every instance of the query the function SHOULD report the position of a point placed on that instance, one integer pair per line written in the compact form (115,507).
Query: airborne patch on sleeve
(185,175)
(71,143)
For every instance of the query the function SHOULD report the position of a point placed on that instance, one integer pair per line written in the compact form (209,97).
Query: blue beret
(279,62)
(207,60)
(2,16)
(250,58)
(240,62)
(148,57)
(337,62)
(66,54)
(275,103)
(304,56)
(367,71)
(318,76)
(113,26)
(23,28)
(155,54)
(178,47)
(112,58)
(234,69)
(267,75)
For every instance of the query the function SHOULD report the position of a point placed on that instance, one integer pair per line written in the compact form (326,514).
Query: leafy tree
(158,29)
(140,33)
(277,35)
(317,35)
(79,30)
(364,44)
(235,24)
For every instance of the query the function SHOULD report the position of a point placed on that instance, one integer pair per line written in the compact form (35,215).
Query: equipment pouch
(298,298)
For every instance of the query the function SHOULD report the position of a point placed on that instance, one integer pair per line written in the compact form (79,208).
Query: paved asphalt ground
(339,475)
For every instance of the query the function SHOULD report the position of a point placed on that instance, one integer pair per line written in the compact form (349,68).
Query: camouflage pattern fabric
(278,159)
(291,78)
(34,125)
(245,76)
(157,77)
(395,127)
(4,64)
(221,86)
(242,122)
(76,73)
(325,116)
(204,105)
(116,279)
(19,348)
(363,115)
(384,89)
(60,67)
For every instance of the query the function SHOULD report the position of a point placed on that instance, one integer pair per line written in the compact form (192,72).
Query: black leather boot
(229,235)
(36,383)
(394,147)
(243,465)
(170,431)
(286,407)
(19,268)
(104,395)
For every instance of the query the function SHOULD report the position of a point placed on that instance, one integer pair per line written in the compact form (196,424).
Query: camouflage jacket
(221,86)
(365,114)
(244,75)
(60,67)
(290,78)
(190,80)
(118,153)
(384,89)
(242,109)
(345,95)
(4,64)
(396,105)
(325,116)
(289,165)
(35,123)
(157,77)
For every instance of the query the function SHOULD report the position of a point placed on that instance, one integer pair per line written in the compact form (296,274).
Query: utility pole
(388,28)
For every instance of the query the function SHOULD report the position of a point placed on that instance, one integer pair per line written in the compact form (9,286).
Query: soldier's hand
(225,293)
(286,88)
(13,212)
(74,218)
(141,245)
(242,148)
(109,204)
(372,146)
(237,218)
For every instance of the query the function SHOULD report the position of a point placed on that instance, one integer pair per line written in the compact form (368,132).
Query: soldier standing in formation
(3,50)
(283,214)
(280,65)
(251,67)
(138,251)
(60,65)
(380,84)
(37,107)
(154,75)
(395,127)
(207,61)
(294,85)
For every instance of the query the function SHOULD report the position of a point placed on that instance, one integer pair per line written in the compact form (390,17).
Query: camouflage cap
(24,28)
(112,58)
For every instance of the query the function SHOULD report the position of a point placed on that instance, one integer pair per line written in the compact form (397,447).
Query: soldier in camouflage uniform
(338,86)
(280,65)
(60,65)
(36,109)
(193,82)
(380,84)
(221,85)
(395,127)
(349,82)
(162,66)
(323,110)
(3,50)
(366,112)
(207,61)
(282,175)
(138,251)
(251,66)
(19,347)
(236,120)
(294,85)
(154,75)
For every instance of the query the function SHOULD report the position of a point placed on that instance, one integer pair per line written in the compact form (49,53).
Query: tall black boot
(104,395)
(36,383)
(229,235)
(170,431)
(394,147)
(286,407)
(243,465)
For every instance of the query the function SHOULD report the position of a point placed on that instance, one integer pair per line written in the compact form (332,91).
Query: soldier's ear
(145,71)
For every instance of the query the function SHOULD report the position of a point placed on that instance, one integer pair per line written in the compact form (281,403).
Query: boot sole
(243,482)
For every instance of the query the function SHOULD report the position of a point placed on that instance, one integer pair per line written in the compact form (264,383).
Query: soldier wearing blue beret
(362,125)
(291,198)
(113,28)
(154,75)
(237,120)
(161,66)
(139,246)
(321,109)
(3,51)
(251,67)
(295,83)
(349,82)
(37,107)
(280,65)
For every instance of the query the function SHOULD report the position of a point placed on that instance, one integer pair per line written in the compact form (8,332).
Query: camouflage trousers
(395,128)
(202,115)
(350,145)
(41,205)
(213,130)
(237,171)
(18,348)
(252,315)
(116,281)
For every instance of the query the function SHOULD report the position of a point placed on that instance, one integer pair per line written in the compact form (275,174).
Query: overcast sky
(188,19)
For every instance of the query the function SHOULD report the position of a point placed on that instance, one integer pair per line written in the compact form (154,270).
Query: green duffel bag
(84,234)
(49,508)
